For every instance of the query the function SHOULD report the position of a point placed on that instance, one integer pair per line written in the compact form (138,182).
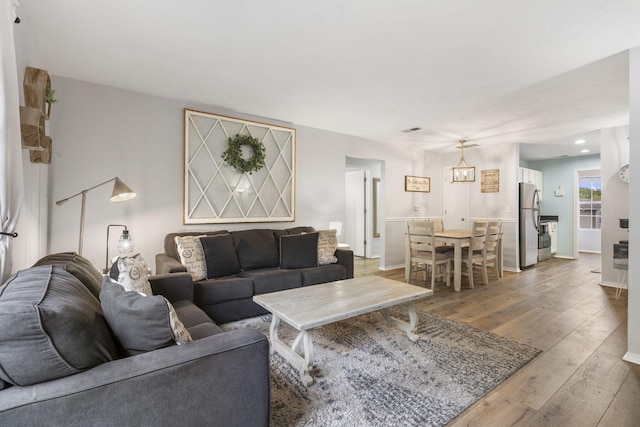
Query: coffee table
(313,306)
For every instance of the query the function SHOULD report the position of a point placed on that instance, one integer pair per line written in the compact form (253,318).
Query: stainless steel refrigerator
(529,224)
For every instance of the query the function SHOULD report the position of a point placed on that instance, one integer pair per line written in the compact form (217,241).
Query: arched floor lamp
(120,193)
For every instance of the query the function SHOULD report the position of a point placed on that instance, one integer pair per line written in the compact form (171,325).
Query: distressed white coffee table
(313,306)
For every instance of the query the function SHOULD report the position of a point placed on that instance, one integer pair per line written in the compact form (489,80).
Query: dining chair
(438,226)
(491,253)
(474,253)
(422,250)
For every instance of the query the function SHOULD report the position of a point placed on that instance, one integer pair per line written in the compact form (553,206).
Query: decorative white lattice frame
(215,192)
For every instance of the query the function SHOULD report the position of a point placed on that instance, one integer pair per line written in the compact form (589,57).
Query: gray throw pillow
(52,327)
(140,323)
(220,255)
(299,251)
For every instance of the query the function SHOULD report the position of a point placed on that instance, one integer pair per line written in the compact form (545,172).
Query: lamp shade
(121,192)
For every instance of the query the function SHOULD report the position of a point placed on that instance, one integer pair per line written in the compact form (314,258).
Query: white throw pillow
(192,256)
(180,333)
(133,274)
(327,245)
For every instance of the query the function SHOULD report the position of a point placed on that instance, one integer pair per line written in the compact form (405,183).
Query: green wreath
(233,154)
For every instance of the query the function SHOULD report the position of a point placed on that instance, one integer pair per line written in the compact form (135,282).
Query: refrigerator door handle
(536,207)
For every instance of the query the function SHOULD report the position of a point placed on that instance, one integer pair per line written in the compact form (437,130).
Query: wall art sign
(216,191)
(490,181)
(417,184)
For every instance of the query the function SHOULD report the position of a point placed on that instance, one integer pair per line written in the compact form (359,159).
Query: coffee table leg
(302,363)
(408,328)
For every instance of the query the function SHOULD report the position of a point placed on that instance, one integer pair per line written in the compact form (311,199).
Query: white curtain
(11,184)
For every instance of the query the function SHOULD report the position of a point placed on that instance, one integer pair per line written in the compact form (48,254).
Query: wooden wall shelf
(36,84)
(32,128)
(32,117)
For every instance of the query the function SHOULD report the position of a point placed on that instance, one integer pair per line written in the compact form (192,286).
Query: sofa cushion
(220,255)
(214,291)
(300,230)
(323,274)
(327,245)
(195,320)
(273,279)
(140,323)
(294,230)
(256,249)
(133,274)
(299,250)
(77,265)
(192,256)
(52,327)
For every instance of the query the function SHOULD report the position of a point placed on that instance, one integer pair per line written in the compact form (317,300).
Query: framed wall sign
(490,181)
(255,184)
(417,183)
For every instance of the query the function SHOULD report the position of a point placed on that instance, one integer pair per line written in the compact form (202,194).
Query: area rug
(369,374)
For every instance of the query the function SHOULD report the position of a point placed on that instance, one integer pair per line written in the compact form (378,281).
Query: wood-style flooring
(558,306)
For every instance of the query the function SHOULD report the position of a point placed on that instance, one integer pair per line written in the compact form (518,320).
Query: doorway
(589,210)
(455,202)
(364,206)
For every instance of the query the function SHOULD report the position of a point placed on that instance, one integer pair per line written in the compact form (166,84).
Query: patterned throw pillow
(192,256)
(132,274)
(327,245)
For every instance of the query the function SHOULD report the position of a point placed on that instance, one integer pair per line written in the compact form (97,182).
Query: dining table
(458,239)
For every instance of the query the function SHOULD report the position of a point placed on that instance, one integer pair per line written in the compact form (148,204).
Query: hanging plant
(233,154)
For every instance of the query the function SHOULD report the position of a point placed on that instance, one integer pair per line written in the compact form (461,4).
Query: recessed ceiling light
(580,141)
(586,150)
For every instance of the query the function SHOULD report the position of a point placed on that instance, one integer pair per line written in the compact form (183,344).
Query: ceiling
(491,72)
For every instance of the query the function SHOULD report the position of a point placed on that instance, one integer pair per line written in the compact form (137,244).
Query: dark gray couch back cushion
(52,327)
(77,265)
(256,248)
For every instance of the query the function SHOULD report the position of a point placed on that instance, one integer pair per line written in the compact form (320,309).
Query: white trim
(632,357)
(613,284)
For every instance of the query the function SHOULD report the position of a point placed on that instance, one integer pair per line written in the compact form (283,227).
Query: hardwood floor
(559,307)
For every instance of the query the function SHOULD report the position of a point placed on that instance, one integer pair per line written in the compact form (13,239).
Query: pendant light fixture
(463,172)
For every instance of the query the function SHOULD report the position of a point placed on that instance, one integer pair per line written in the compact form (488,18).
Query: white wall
(614,147)
(100,132)
(633,339)
(31,243)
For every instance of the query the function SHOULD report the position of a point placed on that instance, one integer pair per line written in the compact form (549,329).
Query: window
(590,199)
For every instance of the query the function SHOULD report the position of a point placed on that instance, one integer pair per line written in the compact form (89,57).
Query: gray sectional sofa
(61,363)
(264,265)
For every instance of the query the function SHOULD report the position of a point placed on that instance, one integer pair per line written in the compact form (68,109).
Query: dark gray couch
(219,379)
(260,271)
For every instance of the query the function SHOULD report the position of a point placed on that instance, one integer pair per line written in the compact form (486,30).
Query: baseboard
(631,357)
(563,257)
(390,267)
(613,284)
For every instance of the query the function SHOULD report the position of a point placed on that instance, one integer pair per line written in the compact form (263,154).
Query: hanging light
(463,172)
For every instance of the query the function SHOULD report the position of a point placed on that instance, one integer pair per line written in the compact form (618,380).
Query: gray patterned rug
(369,374)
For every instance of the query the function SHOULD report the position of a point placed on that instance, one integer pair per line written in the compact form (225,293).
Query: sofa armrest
(174,287)
(345,257)
(165,265)
(221,380)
